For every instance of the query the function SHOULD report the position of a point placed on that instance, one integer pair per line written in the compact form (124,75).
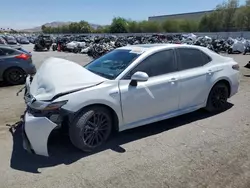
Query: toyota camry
(128,87)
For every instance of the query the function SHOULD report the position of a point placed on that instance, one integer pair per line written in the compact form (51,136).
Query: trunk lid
(57,76)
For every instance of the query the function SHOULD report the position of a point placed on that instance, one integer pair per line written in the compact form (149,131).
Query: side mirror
(138,77)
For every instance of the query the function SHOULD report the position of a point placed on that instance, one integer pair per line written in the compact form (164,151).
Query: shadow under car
(62,151)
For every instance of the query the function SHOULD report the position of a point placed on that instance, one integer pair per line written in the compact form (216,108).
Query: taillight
(23,56)
(236,67)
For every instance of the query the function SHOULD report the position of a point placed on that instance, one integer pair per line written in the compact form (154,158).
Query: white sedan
(126,88)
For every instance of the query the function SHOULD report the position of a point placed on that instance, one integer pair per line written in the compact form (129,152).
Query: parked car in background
(2,41)
(43,42)
(31,39)
(15,65)
(128,87)
(10,40)
(23,40)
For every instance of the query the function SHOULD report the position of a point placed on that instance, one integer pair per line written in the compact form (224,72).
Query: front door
(151,100)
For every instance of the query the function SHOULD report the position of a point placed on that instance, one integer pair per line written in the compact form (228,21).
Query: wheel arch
(226,82)
(221,80)
(115,118)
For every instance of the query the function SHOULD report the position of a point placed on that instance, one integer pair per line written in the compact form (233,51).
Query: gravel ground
(194,150)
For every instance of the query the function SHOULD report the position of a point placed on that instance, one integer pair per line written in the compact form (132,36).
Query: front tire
(91,128)
(217,99)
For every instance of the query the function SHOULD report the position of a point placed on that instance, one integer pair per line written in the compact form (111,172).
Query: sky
(25,14)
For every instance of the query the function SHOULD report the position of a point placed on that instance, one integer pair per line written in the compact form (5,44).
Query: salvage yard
(194,150)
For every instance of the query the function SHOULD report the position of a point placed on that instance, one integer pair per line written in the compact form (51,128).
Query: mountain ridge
(54,24)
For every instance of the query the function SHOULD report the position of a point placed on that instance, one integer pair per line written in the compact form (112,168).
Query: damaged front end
(55,79)
(39,120)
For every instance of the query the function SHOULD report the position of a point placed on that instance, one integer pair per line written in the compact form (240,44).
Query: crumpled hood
(58,75)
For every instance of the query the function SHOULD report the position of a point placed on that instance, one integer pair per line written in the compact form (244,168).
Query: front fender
(114,105)
(105,94)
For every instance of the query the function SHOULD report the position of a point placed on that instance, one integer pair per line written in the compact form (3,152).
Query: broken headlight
(54,106)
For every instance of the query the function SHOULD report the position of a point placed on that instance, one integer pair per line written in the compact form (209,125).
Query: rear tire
(91,128)
(14,76)
(217,99)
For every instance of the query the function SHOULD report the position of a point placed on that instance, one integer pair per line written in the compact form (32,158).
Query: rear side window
(157,64)
(206,58)
(5,51)
(1,53)
(189,58)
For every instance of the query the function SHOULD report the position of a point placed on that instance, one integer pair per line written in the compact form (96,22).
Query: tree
(215,21)
(119,25)
(106,29)
(240,19)
(150,27)
(170,26)
(229,9)
(133,27)
(246,13)
(188,26)
(84,27)
(204,23)
(43,28)
(99,29)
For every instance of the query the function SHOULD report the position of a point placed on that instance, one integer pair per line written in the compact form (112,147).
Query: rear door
(194,77)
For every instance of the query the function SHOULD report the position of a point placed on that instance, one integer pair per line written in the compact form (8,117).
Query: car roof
(11,46)
(8,47)
(154,47)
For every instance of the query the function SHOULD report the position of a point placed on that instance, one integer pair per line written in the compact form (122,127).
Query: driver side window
(157,64)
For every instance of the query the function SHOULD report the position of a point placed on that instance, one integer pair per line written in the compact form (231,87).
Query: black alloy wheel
(217,100)
(91,128)
(95,130)
(15,76)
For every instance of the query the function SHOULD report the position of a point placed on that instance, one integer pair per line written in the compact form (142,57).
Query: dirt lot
(195,150)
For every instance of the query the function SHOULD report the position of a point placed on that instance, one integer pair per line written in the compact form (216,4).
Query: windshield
(10,38)
(113,63)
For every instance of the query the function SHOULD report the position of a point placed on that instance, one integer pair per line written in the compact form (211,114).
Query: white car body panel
(156,99)
(148,99)
(38,130)
(106,93)
(190,94)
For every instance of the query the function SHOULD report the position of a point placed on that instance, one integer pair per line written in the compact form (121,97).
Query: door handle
(172,80)
(209,72)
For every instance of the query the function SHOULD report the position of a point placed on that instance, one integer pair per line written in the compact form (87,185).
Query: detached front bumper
(36,132)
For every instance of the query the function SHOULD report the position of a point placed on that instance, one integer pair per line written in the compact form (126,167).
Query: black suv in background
(43,42)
